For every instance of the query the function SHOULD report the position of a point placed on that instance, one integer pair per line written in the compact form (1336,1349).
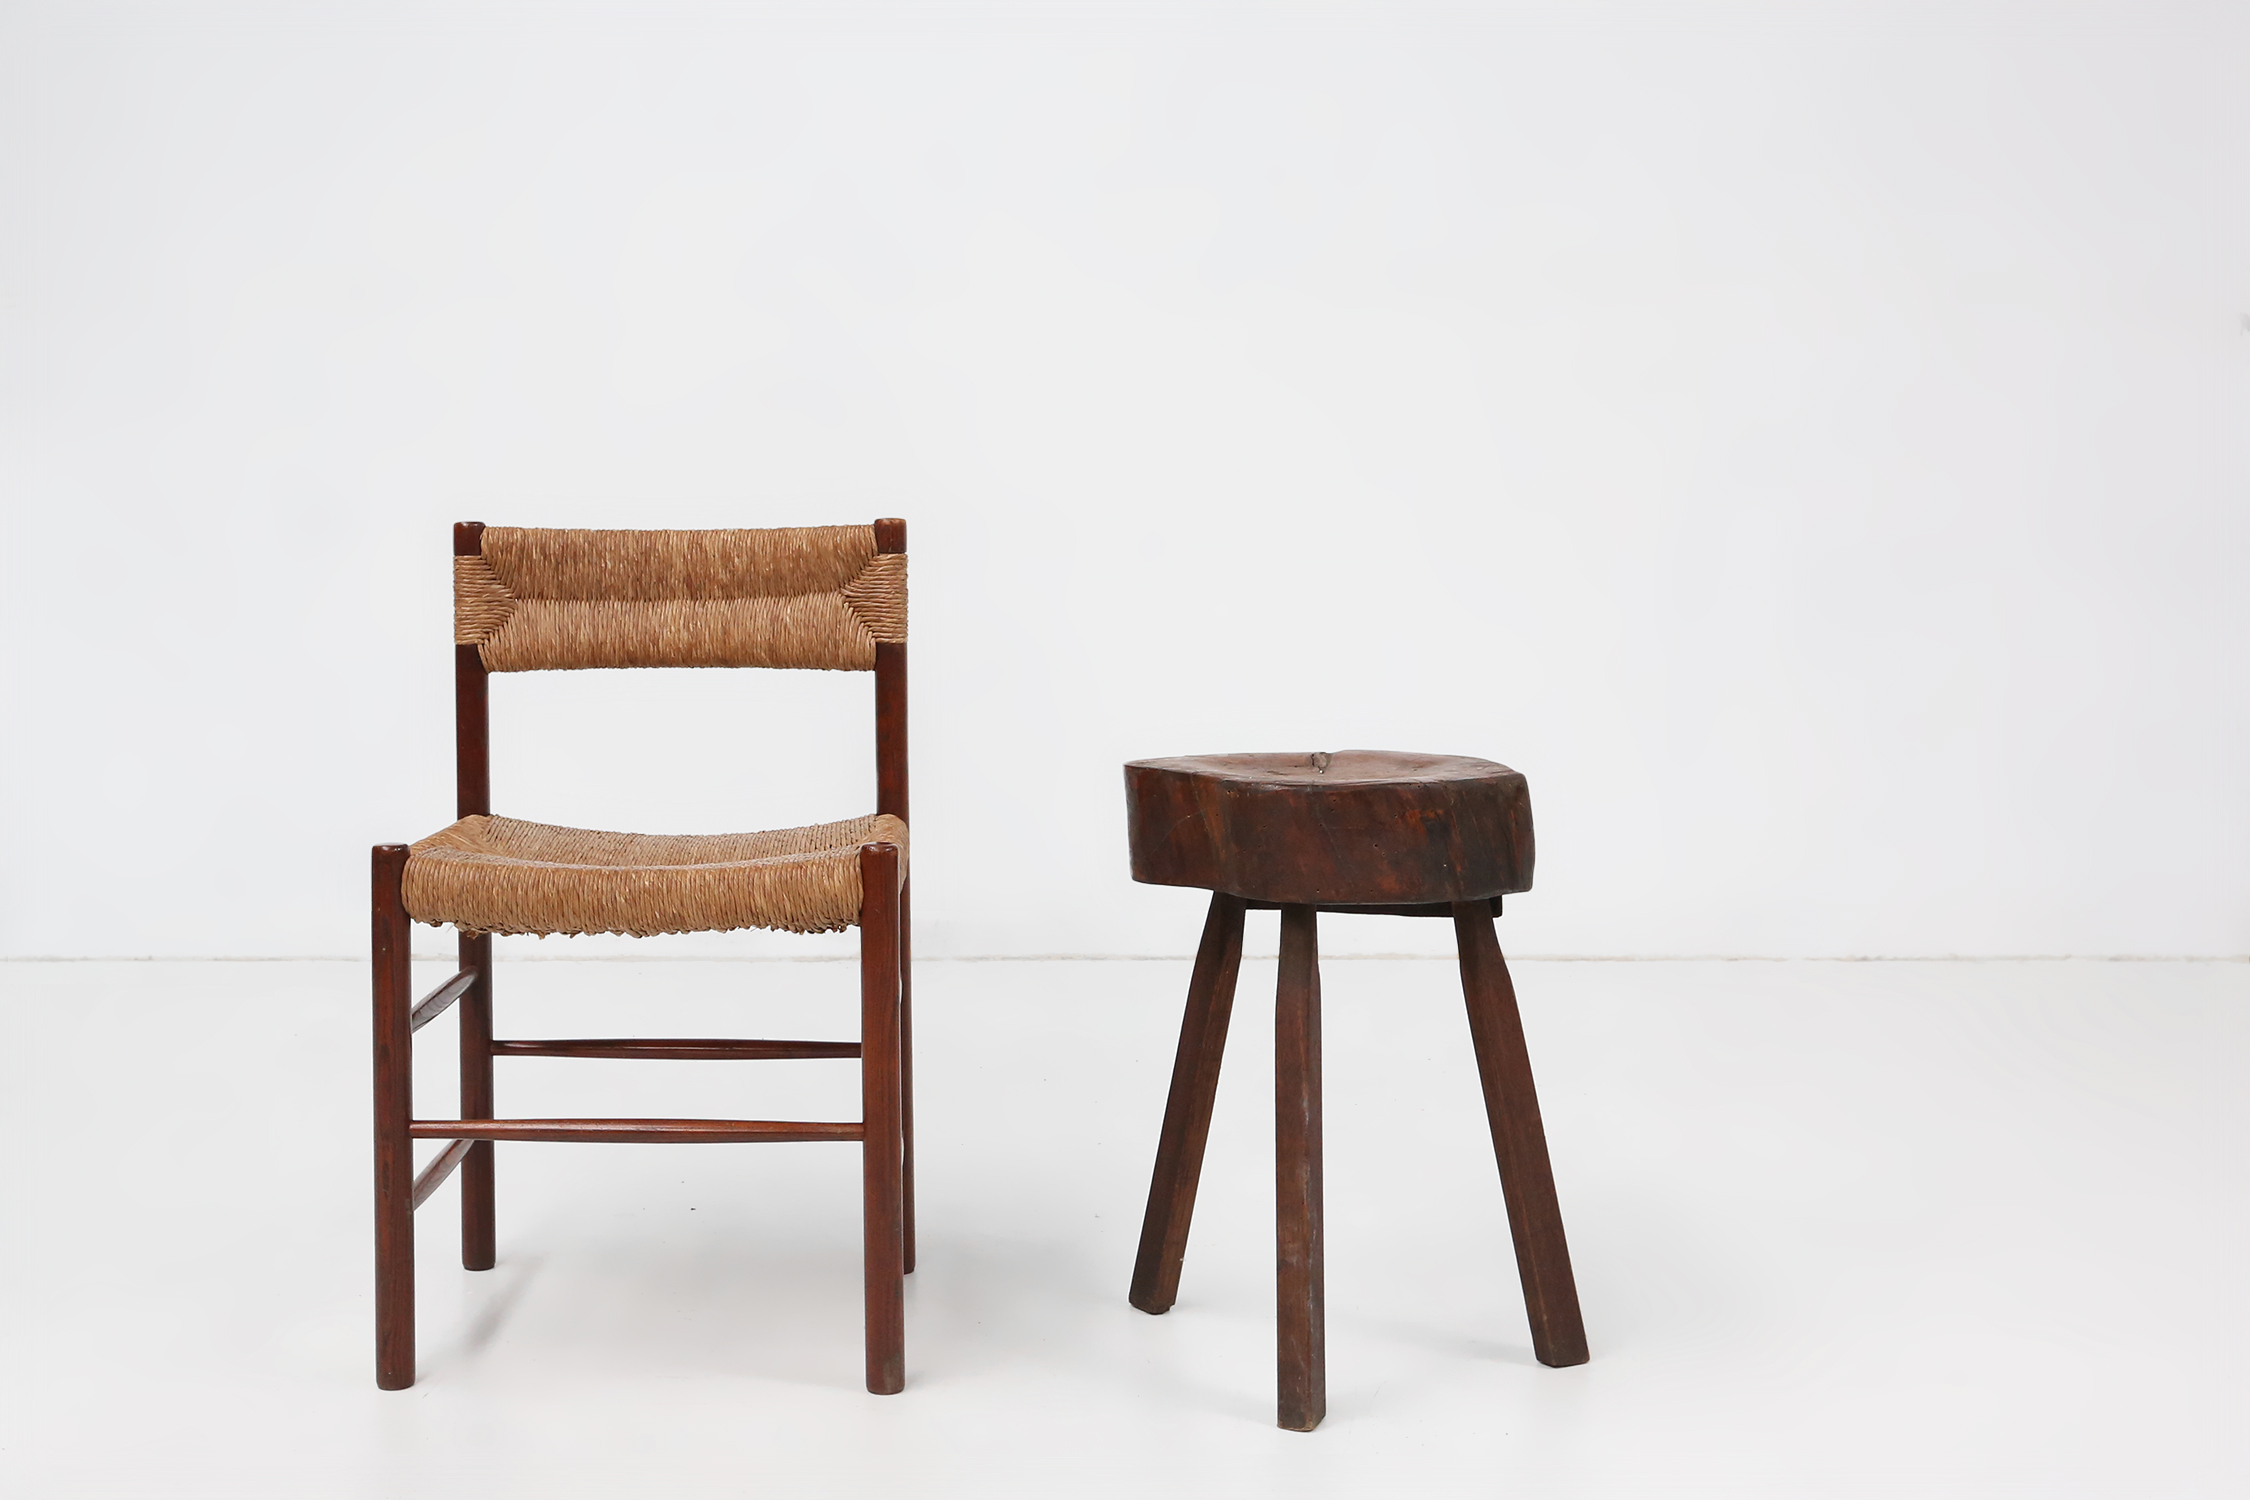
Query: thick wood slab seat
(487,874)
(1356,828)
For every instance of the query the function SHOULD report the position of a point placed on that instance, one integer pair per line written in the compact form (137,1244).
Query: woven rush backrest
(799,596)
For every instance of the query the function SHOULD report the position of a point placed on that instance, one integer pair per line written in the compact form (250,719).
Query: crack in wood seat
(488,874)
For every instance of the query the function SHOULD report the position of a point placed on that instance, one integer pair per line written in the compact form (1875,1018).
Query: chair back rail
(551,599)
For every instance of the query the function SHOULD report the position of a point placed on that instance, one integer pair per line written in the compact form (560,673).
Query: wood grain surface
(1357,827)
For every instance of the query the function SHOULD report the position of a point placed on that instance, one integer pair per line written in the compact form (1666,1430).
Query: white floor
(1840,1229)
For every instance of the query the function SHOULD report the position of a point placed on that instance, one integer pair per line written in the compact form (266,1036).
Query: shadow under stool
(1364,831)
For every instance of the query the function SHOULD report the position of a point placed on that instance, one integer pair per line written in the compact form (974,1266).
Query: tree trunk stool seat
(1365,831)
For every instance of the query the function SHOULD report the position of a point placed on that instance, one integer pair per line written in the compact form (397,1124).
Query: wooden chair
(525,600)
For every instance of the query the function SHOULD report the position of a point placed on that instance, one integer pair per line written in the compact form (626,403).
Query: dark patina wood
(472,774)
(479,1250)
(1358,832)
(1299,1282)
(432,1177)
(906,1071)
(441,999)
(677,1048)
(1519,1142)
(635,1131)
(890,797)
(472,716)
(394,1109)
(883,1142)
(1356,827)
(1187,1112)
(1442,909)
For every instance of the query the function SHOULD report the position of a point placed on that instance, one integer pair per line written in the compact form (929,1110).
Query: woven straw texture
(803,596)
(487,874)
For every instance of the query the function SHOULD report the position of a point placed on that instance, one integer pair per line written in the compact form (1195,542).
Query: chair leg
(1187,1111)
(882,1154)
(394,1109)
(477,1224)
(1519,1141)
(906,1063)
(1301,1282)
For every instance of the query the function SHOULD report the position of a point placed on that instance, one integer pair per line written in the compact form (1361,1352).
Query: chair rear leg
(477,1233)
(882,1153)
(394,1109)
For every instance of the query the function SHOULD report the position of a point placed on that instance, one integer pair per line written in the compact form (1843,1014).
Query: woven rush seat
(489,874)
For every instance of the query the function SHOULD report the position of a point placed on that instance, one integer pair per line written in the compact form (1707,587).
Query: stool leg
(476,1104)
(394,1110)
(882,1143)
(1550,1296)
(1187,1113)
(1303,1343)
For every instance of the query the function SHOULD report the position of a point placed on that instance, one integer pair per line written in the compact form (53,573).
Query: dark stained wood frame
(890,797)
(885,1130)
(1300,1282)
(1519,1140)
(1417,909)
(459,1131)
(438,1001)
(681,1048)
(1187,1112)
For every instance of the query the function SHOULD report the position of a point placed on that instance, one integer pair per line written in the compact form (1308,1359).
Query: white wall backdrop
(1807,440)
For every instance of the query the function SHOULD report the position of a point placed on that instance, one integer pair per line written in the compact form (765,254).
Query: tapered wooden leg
(476,1104)
(394,1109)
(1519,1140)
(1303,1344)
(882,1155)
(1187,1113)
(906,1063)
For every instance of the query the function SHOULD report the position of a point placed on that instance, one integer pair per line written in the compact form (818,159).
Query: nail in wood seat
(1361,831)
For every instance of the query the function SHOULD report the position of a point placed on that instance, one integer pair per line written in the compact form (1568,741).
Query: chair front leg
(906,1063)
(882,1154)
(394,1109)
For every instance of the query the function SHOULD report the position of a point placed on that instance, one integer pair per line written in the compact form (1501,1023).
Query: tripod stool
(1366,831)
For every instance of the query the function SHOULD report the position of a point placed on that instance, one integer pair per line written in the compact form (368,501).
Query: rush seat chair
(831,597)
